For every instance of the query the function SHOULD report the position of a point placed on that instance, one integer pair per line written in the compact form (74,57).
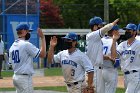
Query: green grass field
(50,72)
(57,88)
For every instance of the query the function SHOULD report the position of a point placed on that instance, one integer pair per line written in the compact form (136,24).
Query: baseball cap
(116,27)
(71,36)
(130,26)
(96,21)
(23,26)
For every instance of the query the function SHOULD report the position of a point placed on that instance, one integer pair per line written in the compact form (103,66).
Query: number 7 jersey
(21,55)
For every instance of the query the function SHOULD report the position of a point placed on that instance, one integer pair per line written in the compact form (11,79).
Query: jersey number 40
(15,56)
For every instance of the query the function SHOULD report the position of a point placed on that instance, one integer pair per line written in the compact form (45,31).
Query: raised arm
(108,27)
(43,43)
(114,54)
(53,43)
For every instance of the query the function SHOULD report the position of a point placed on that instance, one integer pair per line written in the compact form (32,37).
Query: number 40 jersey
(21,56)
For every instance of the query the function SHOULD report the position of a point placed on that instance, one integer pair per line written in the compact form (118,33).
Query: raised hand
(116,35)
(40,33)
(53,41)
(115,21)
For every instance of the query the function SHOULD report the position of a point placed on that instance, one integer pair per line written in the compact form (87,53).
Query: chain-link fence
(19,7)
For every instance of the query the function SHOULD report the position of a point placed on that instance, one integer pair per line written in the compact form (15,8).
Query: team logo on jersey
(131,52)
(70,62)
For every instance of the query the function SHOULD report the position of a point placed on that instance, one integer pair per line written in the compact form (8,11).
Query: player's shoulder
(80,53)
(62,52)
(137,41)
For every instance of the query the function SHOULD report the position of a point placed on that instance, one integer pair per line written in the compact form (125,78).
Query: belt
(75,83)
(100,67)
(24,74)
(129,72)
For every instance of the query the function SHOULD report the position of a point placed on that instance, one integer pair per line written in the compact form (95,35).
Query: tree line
(76,13)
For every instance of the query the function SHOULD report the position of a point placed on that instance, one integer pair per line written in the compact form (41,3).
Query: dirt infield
(39,81)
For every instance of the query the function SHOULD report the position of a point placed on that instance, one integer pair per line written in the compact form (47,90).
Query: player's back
(19,57)
(107,43)
(94,47)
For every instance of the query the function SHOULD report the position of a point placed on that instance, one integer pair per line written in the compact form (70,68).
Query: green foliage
(53,72)
(127,11)
(76,13)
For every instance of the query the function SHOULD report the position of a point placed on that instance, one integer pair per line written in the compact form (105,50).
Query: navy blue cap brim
(30,30)
(104,23)
(66,38)
(125,28)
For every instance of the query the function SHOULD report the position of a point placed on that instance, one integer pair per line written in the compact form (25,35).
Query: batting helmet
(95,21)
(130,26)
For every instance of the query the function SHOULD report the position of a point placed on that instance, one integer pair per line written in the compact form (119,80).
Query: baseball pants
(110,79)
(98,79)
(76,88)
(23,83)
(132,82)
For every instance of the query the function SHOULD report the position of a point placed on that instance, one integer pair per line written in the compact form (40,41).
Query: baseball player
(21,55)
(94,48)
(129,53)
(138,32)
(109,72)
(74,64)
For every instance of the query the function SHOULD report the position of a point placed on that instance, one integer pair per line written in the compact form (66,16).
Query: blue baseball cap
(71,36)
(116,27)
(138,27)
(130,26)
(23,26)
(96,21)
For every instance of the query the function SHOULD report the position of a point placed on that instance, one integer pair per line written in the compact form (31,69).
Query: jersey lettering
(15,56)
(69,62)
(128,52)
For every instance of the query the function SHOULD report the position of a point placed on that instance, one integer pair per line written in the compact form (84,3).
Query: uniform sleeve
(119,49)
(106,28)
(57,58)
(10,57)
(86,63)
(96,35)
(32,50)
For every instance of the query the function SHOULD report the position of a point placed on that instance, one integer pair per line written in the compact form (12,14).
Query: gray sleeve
(57,58)
(106,28)
(86,63)
(32,50)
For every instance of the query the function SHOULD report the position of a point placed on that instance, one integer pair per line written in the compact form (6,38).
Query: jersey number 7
(105,50)
(15,56)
